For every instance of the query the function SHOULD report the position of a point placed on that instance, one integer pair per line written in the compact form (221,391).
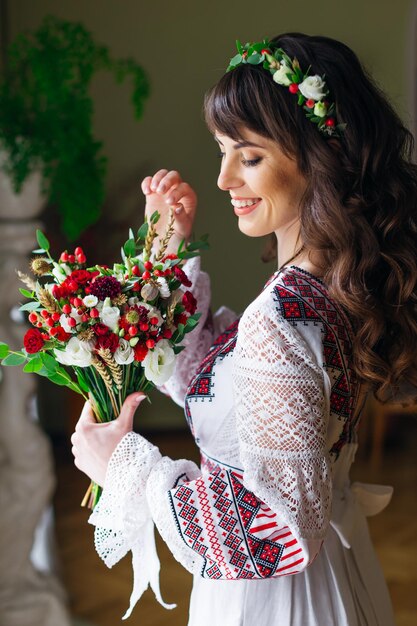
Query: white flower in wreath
(124,353)
(77,353)
(320,109)
(281,76)
(110,316)
(313,87)
(159,363)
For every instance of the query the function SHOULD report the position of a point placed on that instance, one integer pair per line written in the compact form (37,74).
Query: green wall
(185,47)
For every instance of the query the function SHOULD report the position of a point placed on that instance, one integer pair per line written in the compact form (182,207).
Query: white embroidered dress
(269,524)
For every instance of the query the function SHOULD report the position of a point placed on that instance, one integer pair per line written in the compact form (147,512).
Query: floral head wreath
(310,90)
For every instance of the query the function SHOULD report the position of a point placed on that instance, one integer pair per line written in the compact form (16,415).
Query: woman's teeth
(244,203)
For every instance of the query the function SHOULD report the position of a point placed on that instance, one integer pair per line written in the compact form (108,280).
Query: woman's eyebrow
(242,144)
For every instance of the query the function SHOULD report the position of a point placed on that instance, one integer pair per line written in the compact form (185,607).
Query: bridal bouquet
(106,332)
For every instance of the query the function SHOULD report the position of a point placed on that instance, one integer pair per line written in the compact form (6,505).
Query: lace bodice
(271,402)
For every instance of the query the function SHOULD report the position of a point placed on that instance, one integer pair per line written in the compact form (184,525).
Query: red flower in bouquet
(82,276)
(33,341)
(189,302)
(101,329)
(108,342)
(140,352)
(105,287)
(182,276)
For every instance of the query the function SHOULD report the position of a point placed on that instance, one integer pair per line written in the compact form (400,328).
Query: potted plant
(46,116)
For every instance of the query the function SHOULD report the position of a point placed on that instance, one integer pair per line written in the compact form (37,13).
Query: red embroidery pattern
(218,518)
(304,299)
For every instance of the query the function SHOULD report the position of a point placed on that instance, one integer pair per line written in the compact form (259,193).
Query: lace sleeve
(198,342)
(282,415)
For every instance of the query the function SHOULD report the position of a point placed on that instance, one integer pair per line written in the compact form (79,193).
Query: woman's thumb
(129,408)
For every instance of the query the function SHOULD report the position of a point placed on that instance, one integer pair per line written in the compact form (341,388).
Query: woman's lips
(246,209)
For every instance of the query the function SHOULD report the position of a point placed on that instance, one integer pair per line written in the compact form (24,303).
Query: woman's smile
(243,206)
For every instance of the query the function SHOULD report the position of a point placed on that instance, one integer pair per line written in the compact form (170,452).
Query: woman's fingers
(146,185)
(182,194)
(125,419)
(156,179)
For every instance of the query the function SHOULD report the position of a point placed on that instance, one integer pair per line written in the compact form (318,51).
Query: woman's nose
(228,178)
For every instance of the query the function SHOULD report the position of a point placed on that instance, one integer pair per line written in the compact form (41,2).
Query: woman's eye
(251,162)
(220,155)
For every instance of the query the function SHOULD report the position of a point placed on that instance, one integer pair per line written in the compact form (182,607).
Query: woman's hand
(93,443)
(166,189)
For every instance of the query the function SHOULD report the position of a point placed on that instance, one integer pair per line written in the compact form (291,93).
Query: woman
(270,525)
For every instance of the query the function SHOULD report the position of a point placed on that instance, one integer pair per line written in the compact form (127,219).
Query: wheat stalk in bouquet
(107,332)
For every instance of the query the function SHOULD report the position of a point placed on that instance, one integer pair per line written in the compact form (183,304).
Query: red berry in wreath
(146,275)
(55,316)
(71,322)
(330,122)
(71,258)
(293,88)
(148,265)
(45,314)
(94,313)
(78,250)
(150,344)
(135,270)
(64,257)
(133,331)
(66,309)
(310,103)
(265,51)
(81,258)
(33,318)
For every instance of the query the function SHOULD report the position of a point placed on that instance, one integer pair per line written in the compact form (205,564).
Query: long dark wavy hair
(360,206)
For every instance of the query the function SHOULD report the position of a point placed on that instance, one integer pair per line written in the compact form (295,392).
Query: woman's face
(265,186)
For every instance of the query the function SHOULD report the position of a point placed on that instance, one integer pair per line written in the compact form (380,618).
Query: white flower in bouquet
(61,271)
(134,300)
(110,316)
(149,292)
(90,301)
(77,353)
(163,287)
(159,363)
(124,353)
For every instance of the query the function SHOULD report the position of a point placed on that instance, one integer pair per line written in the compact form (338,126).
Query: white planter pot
(27,204)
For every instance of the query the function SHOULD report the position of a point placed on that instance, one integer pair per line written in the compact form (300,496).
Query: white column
(28,596)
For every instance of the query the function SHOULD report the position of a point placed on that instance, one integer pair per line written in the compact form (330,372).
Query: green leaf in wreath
(16,358)
(178,349)
(42,240)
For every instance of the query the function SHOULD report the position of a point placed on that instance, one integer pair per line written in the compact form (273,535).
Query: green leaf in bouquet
(131,234)
(154,217)
(130,247)
(30,306)
(42,240)
(34,365)
(50,363)
(15,358)
(191,323)
(82,383)
(4,350)
(26,293)
(143,231)
(188,255)
(39,251)
(178,349)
